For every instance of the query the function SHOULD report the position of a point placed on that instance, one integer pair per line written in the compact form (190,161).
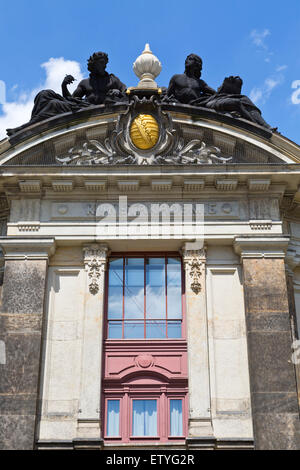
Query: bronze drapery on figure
(189,88)
(100,88)
(229,99)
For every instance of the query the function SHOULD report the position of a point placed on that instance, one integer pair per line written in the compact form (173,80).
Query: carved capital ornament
(95,260)
(194,263)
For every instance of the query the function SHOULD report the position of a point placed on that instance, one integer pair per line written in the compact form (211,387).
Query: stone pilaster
(21,318)
(89,424)
(272,374)
(200,427)
(292,262)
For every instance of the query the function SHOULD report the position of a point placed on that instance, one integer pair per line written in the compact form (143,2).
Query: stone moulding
(30,186)
(95,259)
(260,224)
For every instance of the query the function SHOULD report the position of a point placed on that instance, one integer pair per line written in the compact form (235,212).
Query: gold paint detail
(144,131)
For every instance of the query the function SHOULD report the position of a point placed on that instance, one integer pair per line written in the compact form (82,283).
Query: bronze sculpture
(101,87)
(188,88)
(104,88)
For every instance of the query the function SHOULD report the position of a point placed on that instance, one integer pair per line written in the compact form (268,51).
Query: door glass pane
(115,288)
(156,329)
(174,288)
(155,288)
(144,418)
(134,288)
(113,418)
(176,418)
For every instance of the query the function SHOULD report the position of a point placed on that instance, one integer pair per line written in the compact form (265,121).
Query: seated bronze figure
(189,88)
(101,87)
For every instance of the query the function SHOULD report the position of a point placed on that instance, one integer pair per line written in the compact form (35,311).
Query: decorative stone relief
(144,361)
(144,135)
(194,263)
(95,259)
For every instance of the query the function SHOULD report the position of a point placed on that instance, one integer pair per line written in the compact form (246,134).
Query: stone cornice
(53,183)
(15,248)
(261,246)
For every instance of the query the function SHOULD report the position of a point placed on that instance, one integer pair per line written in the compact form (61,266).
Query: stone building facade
(117,331)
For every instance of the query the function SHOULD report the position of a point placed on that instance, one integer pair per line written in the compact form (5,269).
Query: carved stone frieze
(95,260)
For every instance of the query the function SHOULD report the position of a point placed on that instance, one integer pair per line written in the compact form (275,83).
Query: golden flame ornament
(144,131)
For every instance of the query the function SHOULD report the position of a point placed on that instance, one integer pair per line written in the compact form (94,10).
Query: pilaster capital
(261,247)
(16,248)
(194,258)
(193,250)
(95,256)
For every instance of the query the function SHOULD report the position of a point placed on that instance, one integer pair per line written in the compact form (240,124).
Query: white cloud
(262,94)
(56,69)
(2,92)
(295,98)
(256,95)
(258,37)
(280,68)
(271,83)
(18,112)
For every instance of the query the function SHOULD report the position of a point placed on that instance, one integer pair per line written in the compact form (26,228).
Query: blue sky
(259,40)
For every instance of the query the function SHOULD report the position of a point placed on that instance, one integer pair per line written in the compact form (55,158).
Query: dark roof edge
(196,113)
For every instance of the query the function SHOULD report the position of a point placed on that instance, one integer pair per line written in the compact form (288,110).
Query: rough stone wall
(272,373)
(21,315)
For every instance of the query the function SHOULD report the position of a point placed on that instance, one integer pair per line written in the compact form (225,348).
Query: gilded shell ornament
(144,131)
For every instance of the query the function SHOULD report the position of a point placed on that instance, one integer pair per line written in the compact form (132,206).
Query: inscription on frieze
(111,210)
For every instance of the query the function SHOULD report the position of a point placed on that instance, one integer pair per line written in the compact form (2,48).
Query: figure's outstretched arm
(64,86)
(78,93)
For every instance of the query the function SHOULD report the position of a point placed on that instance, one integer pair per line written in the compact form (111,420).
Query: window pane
(134,288)
(133,329)
(144,418)
(176,418)
(115,288)
(115,329)
(113,418)
(155,288)
(156,329)
(174,288)
(174,329)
